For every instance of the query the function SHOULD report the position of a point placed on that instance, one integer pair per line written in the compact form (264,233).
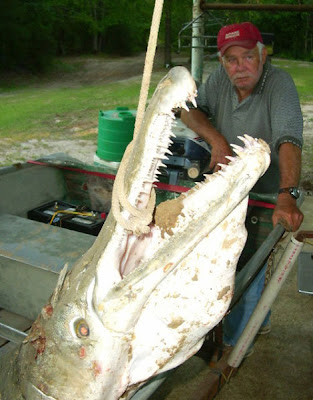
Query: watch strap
(293,191)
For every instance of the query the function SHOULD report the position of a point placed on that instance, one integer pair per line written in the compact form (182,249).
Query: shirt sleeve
(286,115)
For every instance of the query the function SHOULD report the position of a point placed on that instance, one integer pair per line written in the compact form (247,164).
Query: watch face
(295,192)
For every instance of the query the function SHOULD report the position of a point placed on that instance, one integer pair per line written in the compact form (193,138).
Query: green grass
(29,112)
(302,74)
(34,110)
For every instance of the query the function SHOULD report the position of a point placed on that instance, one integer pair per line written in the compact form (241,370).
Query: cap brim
(247,44)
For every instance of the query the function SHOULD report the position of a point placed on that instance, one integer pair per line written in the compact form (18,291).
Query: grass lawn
(302,74)
(29,111)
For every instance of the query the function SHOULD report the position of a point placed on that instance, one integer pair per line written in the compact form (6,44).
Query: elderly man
(246,94)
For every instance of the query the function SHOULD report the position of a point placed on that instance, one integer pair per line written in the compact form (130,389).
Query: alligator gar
(141,300)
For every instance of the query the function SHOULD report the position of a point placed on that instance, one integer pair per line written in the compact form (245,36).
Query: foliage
(26,35)
(32,32)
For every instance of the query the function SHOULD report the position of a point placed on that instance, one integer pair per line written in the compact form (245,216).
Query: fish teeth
(184,105)
(223,166)
(193,101)
(208,177)
(246,140)
(235,146)
(237,149)
(222,172)
(231,158)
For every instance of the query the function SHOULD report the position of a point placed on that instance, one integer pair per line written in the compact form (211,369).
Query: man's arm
(286,211)
(199,123)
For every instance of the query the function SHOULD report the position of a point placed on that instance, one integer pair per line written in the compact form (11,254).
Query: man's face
(243,66)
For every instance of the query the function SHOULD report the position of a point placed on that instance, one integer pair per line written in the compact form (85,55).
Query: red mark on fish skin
(96,367)
(47,311)
(37,338)
(167,267)
(82,352)
(40,345)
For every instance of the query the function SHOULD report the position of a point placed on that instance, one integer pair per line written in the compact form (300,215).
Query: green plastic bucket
(115,131)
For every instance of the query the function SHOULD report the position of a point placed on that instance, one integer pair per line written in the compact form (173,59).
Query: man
(246,94)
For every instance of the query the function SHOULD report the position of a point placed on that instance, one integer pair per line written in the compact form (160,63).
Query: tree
(25,33)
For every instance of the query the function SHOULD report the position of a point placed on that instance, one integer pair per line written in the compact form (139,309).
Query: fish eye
(81,328)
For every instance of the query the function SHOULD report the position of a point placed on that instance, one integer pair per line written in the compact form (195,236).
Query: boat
(51,210)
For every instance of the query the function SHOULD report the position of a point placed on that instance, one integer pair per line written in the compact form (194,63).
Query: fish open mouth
(141,300)
(145,250)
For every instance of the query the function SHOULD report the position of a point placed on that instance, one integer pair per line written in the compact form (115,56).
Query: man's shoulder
(217,76)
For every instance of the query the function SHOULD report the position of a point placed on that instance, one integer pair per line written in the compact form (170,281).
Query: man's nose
(240,64)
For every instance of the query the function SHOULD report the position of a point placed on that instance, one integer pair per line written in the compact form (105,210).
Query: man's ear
(264,55)
(220,59)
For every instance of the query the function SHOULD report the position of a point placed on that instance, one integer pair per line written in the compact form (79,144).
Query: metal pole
(256,7)
(151,386)
(255,264)
(11,334)
(196,42)
(268,297)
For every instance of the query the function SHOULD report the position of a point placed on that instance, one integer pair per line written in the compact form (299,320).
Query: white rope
(146,78)
(140,219)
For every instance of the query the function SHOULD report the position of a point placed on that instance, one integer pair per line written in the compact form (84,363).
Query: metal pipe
(151,386)
(256,262)
(196,42)
(11,334)
(256,7)
(267,299)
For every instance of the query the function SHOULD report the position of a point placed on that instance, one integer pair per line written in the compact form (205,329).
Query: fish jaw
(211,201)
(55,361)
(143,157)
(189,302)
(81,345)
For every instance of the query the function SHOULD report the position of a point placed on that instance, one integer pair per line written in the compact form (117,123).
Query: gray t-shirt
(272,112)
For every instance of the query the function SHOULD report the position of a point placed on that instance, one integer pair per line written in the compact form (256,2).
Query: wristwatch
(293,191)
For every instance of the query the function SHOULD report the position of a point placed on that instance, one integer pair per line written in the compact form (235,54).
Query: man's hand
(287,213)
(220,149)
(199,123)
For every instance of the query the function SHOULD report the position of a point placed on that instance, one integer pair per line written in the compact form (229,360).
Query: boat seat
(32,254)
(28,186)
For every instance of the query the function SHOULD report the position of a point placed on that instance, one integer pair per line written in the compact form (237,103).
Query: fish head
(82,344)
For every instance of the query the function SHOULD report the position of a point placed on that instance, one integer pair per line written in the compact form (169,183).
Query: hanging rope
(139,219)
(154,30)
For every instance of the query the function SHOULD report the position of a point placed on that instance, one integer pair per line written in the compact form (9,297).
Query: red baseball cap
(245,35)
